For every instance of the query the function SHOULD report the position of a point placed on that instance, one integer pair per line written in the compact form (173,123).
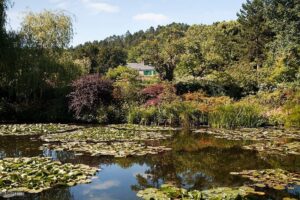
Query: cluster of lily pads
(36,174)
(116,149)
(137,127)
(277,179)
(170,192)
(276,147)
(253,134)
(105,134)
(110,141)
(35,129)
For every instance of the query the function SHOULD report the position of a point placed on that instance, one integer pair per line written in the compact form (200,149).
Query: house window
(148,73)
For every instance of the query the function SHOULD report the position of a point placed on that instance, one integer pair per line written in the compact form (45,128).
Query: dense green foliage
(36,70)
(236,115)
(220,67)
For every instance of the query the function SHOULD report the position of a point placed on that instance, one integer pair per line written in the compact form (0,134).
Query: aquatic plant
(277,179)
(170,192)
(35,129)
(236,115)
(258,134)
(137,127)
(281,148)
(36,174)
(116,149)
(105,134)
(172,114)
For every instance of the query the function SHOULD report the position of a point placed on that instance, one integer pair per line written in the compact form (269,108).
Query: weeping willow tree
(47,30)
(41,69)
(43,62)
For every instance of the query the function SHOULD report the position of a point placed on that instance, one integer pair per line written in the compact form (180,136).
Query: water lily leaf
(116,149)
(277,179)
(36,174)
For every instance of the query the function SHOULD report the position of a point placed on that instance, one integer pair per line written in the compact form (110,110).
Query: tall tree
(3,7)
(284,54)
(41,62)
(256,30)
(110,57)
(164,51)
(47,30)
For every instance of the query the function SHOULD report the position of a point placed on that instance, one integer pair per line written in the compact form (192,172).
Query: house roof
(140,66)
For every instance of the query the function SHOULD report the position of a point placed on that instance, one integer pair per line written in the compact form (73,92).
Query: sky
(98,19)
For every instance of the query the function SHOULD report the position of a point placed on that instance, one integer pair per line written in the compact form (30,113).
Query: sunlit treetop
(47,30)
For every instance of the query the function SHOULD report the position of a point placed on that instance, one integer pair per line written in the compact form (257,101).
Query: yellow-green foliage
(292,108)
(174,114)
(122,73)
(236,115)
(205,103)
(280,106)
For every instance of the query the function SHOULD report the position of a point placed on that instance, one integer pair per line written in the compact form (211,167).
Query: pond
(196,161)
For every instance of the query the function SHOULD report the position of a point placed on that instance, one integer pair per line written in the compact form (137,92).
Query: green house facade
(144,70)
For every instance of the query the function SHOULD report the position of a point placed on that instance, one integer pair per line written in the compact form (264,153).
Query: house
(144,70)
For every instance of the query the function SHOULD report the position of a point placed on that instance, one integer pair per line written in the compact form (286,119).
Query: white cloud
(151,17)
(99,7)
(95,6)
(102,186)
(106,185)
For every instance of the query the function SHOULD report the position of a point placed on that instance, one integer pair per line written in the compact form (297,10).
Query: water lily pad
(171,192)
(281,148)
(116,149)
(35,129)
(36,174)
(277,179)
(105,134)
(136,127)
(252,134)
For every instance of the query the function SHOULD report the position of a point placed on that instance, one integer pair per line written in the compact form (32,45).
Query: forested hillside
(231,73)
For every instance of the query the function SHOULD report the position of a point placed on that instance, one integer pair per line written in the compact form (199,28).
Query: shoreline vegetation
(230,74)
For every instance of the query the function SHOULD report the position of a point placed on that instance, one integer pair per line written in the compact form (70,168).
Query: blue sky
(98,19)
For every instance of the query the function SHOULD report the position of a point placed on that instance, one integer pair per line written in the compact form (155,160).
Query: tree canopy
(48,30)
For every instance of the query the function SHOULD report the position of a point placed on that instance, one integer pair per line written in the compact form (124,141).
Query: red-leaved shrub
(152,94)
(89,92)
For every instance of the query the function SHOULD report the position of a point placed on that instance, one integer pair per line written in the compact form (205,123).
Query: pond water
(196,162)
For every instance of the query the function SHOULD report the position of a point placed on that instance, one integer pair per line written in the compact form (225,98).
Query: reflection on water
(196,162)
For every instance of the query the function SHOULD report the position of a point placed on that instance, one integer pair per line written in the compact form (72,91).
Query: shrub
(152,91)
(89,92)
(208,87)
(173,114)
(158,93)
(143,115)
(293,118)
(121,73)
(7,112)
(236,115)
(292,109)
